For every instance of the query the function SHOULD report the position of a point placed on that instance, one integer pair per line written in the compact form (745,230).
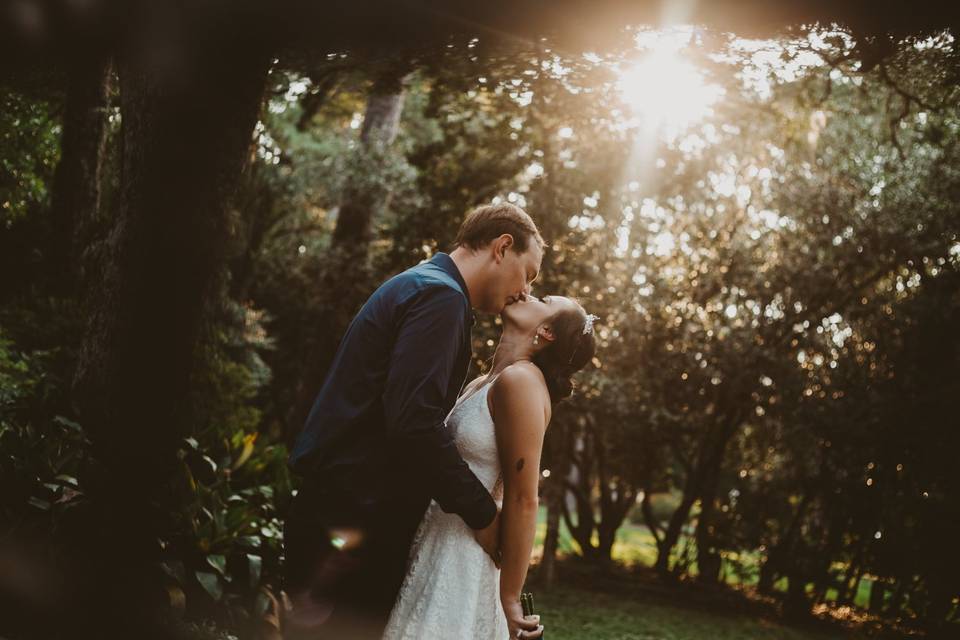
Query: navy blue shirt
(376,430)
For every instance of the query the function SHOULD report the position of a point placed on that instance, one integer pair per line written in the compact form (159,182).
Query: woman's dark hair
(570,351)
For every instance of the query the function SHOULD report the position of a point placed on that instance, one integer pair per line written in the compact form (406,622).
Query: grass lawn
(585,608)
(572,613)
(635,545)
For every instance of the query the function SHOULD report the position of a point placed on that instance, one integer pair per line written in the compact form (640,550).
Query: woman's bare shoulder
(520,382)
(520,376)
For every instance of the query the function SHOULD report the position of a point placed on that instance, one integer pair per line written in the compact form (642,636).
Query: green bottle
(526,603)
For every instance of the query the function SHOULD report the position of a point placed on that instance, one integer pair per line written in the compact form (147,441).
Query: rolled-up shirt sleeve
(421,366)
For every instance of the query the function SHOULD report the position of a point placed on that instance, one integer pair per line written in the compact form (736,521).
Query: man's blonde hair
(488,222)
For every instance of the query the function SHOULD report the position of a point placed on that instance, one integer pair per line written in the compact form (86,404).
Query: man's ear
(501,245)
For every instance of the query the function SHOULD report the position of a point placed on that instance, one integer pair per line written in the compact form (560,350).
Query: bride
(452,588)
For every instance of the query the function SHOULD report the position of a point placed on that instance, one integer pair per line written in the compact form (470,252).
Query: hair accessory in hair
(588,323)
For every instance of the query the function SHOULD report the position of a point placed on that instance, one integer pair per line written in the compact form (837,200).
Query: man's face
(515,273)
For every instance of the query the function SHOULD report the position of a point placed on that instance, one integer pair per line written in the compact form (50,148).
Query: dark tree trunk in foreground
(76,183)
(345,279)
(186,135)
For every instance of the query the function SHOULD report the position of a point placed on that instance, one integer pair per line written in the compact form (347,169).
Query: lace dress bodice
(452,587)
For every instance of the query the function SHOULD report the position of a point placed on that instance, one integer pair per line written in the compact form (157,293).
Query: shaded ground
(632,605)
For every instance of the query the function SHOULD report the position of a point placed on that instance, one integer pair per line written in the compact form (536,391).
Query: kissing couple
(417,509)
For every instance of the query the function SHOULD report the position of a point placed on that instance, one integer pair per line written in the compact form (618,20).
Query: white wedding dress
(452,588)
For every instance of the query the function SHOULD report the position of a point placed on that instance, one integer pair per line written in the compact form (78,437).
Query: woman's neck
(512,348)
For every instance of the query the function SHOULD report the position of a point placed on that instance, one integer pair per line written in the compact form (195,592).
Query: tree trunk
(708,559)
(76,183)
(613,512)
(775,563)
(580,489)
(346,271)
(896,601)
(381,123)
(701,480)
(616,498)
(768,576)
(185,139)
(796,607)
(647,511)
(556,454)
(553,494)
(672,534)
(847,590)
(878,591)
(259,213)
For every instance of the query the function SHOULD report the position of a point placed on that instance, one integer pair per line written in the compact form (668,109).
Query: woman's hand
(520,626)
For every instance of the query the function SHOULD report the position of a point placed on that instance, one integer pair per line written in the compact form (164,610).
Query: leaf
(256,565)
(175,570)
(261,604)
(67,422)
(211,584)
(210,463)
(66,479)
(218,562)
(177,598)
(248,442)
(192,443)
(252,542)
(43,505)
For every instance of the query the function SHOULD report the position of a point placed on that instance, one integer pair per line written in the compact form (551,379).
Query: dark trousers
(344,561)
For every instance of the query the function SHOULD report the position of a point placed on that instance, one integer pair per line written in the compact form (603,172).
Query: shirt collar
(445,262)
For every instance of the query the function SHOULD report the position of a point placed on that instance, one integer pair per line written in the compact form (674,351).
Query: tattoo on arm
(520,465)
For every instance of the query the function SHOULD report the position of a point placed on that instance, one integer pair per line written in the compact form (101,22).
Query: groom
(374,450)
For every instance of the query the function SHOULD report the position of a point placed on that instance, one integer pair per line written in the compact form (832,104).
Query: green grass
(573,613)
(634,543)
(587,609)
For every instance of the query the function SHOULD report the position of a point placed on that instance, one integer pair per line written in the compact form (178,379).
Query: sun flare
(664,90)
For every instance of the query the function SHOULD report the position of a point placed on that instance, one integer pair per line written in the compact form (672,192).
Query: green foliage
(41,457)
(30,143)
(777,285)
(222,552)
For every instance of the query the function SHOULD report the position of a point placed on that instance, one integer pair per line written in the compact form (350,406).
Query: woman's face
(528,314)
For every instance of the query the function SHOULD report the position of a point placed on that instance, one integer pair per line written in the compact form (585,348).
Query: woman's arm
(520,405)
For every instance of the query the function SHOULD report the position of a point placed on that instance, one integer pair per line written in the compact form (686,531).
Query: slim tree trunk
(185,139)
(76,183)
(878,592)
(708,559)
(554,492)
(848,586)
(775,562)
(672,534)
(616,498)
(703,474)
(648,517)
(346,270)
(381,123)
